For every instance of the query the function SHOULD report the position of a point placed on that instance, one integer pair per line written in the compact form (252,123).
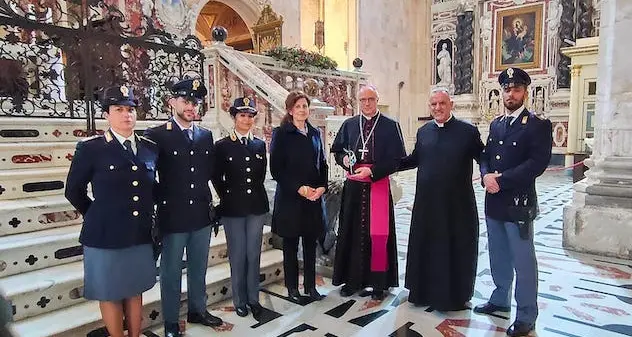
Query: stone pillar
(600,218)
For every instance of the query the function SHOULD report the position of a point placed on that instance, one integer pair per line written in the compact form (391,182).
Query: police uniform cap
(118,95)
(243,104)
(512,77)
(189,88)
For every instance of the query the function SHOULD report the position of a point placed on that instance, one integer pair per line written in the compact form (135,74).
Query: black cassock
(443,241)
(352,265)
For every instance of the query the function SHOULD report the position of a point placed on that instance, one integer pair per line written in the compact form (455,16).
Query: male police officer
(184,198)
(518,150)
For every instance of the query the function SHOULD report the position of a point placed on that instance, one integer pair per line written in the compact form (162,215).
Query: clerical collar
(180,125)
(514,115)
(369,118)
(444,123)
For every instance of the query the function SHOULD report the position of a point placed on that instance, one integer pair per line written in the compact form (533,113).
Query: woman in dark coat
(238,177)
(297,163)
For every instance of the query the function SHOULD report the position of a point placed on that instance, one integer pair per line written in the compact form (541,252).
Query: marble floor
(579,294)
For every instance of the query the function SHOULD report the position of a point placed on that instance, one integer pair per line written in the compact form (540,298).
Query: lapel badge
(510,72)
(169,126)
(108,136)
(124,91)
(524,119)
(233,136)
(195,85)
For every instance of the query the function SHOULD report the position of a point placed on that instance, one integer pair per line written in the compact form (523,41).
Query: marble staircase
(41,268)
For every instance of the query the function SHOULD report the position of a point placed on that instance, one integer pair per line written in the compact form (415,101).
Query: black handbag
(522,212)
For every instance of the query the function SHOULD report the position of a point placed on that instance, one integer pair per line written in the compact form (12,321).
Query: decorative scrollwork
(62,53)
(467,56)
(584,18)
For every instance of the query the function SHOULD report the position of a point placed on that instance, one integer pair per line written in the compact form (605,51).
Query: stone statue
(444,66)
(538,101)
(494,102)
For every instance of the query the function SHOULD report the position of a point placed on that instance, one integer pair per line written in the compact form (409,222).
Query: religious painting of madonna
(519,37)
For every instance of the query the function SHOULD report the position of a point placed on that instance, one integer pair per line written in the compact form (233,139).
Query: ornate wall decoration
(174,16)
(444,33)
(267,31)
(567,25)
(465,49)
(560,134)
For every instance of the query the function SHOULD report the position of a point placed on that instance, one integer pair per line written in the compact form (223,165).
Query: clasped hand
(311,193)
(490,182)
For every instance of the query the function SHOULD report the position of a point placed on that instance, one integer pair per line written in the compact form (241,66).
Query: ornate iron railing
(57,55)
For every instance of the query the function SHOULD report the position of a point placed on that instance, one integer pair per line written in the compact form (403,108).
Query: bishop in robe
(369,147)
(443,241)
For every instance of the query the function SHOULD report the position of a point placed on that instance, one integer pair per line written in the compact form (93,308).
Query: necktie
(506,124)
(244,140)
(189,134)
(128,147)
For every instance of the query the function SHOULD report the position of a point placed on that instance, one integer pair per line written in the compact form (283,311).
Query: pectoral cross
(362,153)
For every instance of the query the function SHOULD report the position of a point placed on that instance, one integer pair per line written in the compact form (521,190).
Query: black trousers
(290,262)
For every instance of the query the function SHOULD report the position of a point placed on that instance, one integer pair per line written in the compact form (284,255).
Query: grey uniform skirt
(116,274)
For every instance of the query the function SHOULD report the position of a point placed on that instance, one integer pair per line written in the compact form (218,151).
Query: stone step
(37,154)
(84,318)
(36,182)
(35,214)
(21,130)
(27,252)
(41,291)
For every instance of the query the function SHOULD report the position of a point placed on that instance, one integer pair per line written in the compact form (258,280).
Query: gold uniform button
(192,169)
(191,152)
(134,183)
(135,213)
(247,158)
(248,180)
(248,191)
(247,169)
(497,157)
(135,198)
(134,168)
(500,142)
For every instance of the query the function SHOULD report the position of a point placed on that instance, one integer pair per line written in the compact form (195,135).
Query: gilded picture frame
(519,37)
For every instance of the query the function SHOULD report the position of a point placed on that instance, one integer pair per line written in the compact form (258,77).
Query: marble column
(600,218)
(465,49)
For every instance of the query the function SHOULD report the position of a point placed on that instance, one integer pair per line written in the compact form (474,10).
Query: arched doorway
(215,13)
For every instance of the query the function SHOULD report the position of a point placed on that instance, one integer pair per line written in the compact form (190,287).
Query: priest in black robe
(370,148)
(443,241)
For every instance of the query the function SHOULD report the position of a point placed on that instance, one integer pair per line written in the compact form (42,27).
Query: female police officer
(118,256)
(238,178)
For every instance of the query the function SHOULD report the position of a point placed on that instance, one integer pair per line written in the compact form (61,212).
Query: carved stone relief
(567,26)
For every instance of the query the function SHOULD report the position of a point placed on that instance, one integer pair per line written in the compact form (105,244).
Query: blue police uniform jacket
(184,169)
(120,213)
(239,177)
(520,153)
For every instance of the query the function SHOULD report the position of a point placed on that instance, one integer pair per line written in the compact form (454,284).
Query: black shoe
(347,291)
(172,330)
(204,318)
(314,294)
(293,294)
(241,311)
(520,329)
(257,310)
(378,295)
(489,308)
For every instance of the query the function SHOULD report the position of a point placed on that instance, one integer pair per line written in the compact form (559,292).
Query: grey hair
(441,89)
(372,87)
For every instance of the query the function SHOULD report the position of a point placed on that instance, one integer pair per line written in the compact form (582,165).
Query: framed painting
(519,37)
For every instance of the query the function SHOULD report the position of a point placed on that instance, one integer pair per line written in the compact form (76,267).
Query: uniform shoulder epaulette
(202,128)
(91,138)
(146,139)
(540,116)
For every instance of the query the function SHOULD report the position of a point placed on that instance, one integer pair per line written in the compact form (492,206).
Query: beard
(512,105)
(184,117)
